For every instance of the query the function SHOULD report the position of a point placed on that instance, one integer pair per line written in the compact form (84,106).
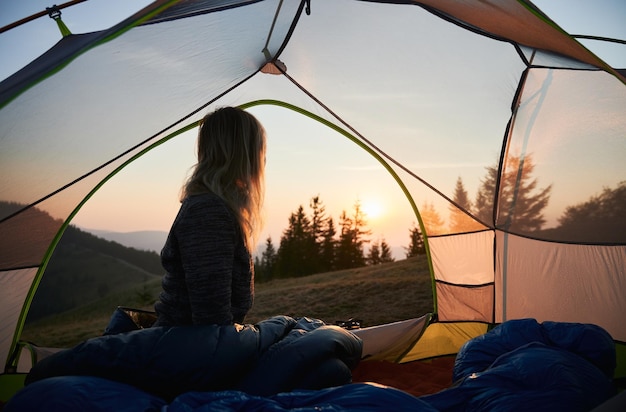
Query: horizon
(130,239)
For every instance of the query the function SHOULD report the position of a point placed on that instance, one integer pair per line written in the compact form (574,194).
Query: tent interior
(401,99)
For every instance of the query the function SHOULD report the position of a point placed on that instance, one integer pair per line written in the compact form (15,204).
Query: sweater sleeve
(206,239)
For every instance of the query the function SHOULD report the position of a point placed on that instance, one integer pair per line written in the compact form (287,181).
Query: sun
(372,209)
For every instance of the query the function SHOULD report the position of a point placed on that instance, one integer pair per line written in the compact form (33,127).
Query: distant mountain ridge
(85,267)
(153,240)
(150,240)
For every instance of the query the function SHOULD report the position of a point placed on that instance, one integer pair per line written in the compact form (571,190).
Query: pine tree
(319,226)
(379,253)
(483,205)
(352,238)
(294,253)
(318,218)
(432,221)
(344,253)
(329,246)
(416,244)
(268,261)
(461,222)
(520,201)
(373,257)
(385,252)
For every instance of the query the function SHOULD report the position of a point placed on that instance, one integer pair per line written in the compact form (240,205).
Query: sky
(349,176)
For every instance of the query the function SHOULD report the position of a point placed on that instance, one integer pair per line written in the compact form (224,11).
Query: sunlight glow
(372,209)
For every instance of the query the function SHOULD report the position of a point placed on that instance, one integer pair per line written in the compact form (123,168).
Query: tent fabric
(391,341)
(14,286)
(516,20)
(409,377)
(444,338)
(473,265)
(475,86)
(464,285)
(64,51)
(523,264)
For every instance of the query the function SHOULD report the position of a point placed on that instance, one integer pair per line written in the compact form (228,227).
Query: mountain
(85,268)
(152,240)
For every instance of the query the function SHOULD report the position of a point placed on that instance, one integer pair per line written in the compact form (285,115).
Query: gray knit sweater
(210,275)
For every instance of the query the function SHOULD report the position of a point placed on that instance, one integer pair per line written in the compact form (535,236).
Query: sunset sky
(296,171)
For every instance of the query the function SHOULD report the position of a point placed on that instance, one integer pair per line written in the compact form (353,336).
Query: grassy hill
(374,294)
(85,268)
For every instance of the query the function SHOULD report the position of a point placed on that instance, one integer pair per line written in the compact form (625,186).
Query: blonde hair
(231,164)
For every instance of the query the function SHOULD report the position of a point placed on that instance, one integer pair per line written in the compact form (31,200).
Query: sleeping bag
(520,365)
(276,355)
(523,365)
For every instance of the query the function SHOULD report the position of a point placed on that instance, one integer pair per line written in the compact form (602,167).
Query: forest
(313,244)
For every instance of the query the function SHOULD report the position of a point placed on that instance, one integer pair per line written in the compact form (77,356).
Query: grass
(69,328)
(374,294)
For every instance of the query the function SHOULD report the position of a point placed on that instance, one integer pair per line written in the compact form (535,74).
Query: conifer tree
(267,263)
(373,257)
(318,218)
(379,253)
(345,254)
(328,248)
(319,227)
(461,222)
(294,253)
(433,223)
(361,233)
(483,205)
(416,243)
(385,252)
(350,253)
(520,201)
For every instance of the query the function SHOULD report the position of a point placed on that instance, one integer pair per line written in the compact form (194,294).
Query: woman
(207,256)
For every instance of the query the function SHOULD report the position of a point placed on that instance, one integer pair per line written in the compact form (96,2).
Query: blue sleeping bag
(276,355)
(523,365)
(87,393)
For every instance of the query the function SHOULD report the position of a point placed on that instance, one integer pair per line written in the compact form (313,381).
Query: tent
(515,87)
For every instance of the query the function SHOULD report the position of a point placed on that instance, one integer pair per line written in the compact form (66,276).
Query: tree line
(521,205)
(313,243)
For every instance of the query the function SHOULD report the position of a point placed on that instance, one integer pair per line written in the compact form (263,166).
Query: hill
(374,294)
(85,268)
(151,240)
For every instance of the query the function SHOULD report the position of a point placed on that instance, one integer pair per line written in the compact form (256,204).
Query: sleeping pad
(276,355)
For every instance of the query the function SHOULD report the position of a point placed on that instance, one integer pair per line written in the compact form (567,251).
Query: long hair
(231,164)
